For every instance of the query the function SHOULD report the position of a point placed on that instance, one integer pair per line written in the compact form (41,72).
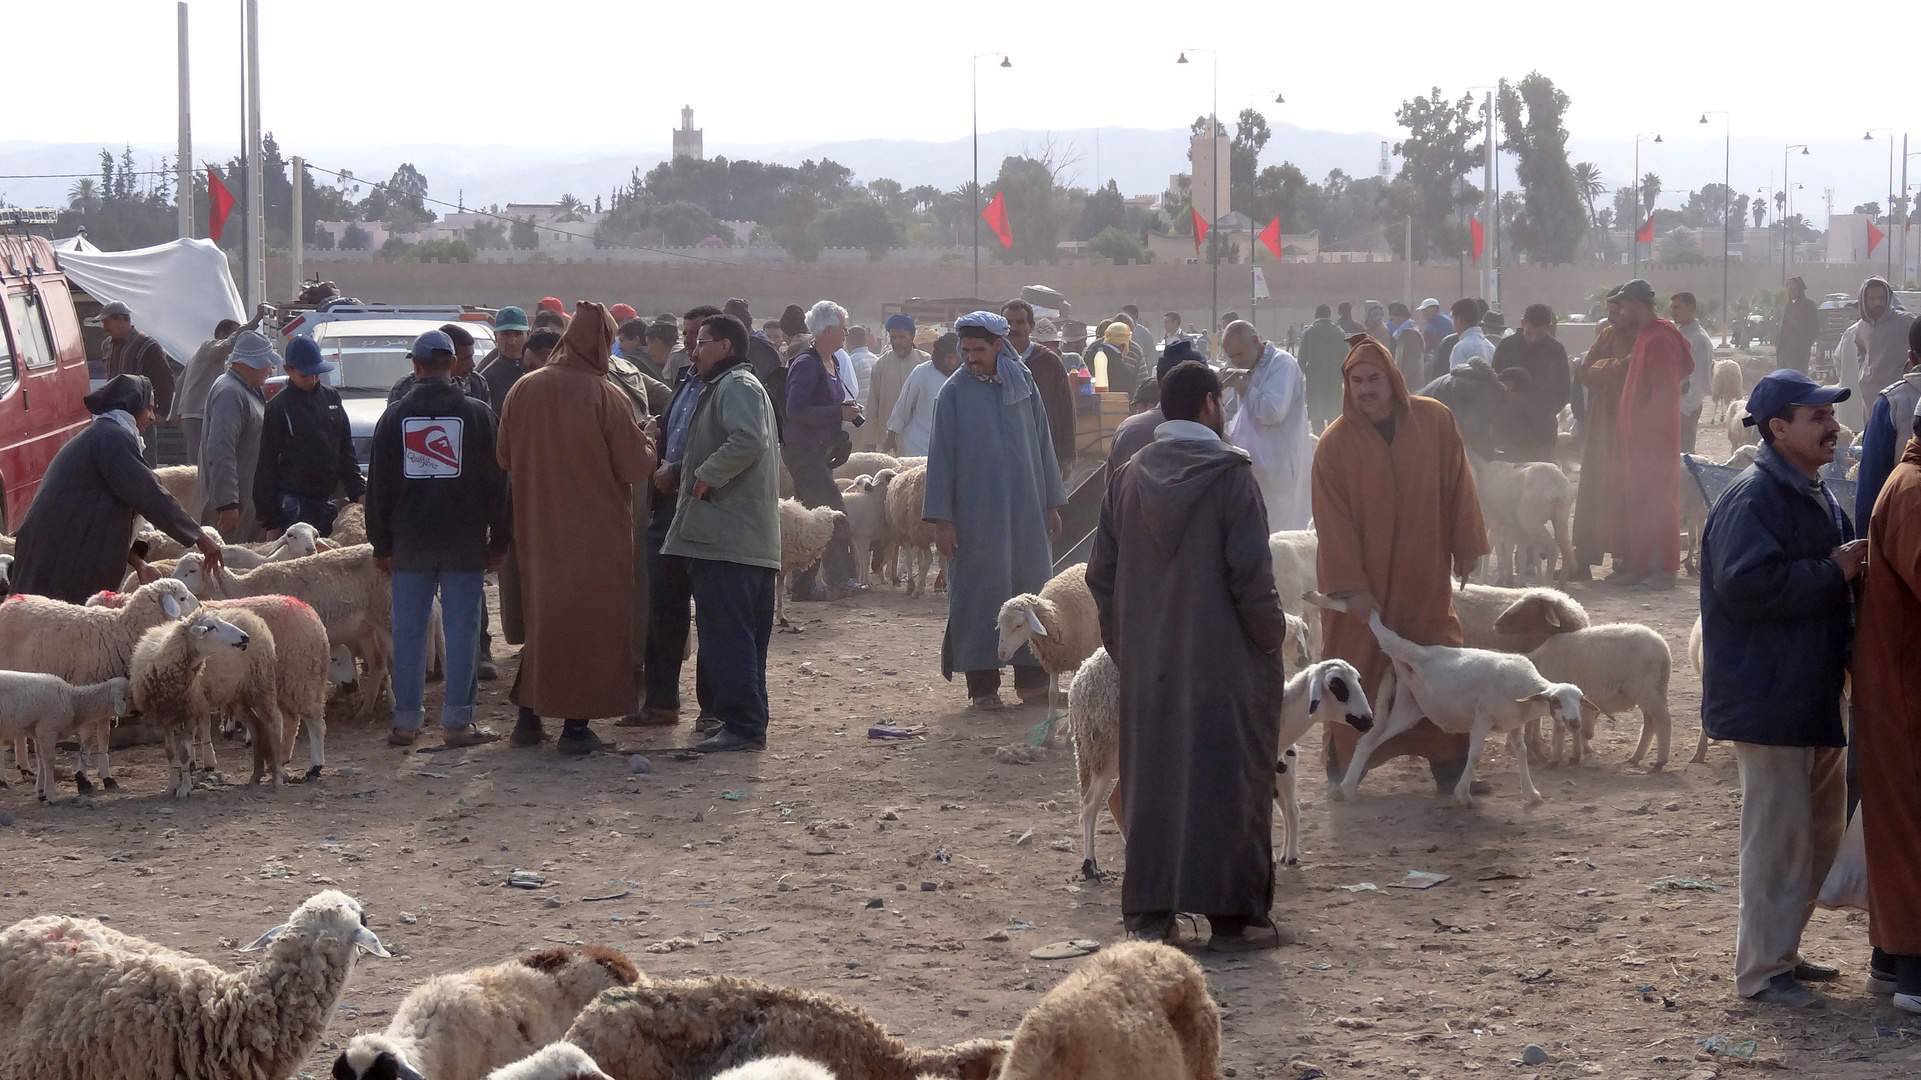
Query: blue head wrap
(900,320)
(981,321)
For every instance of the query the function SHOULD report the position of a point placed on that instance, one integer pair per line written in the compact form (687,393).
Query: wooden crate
(1096,416)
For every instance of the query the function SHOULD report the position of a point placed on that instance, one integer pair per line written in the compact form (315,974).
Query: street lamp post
(976,68)
(1214,181)
(1868,136)
(1787,208)
(1727,210)
(1635,182)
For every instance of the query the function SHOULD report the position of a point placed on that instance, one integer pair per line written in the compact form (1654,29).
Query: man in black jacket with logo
(306,448)
(438,519)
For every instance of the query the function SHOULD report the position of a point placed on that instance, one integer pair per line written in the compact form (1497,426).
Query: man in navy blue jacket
(1778,563)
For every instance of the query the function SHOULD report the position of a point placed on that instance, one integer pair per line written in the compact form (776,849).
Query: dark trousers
(670,591)
(814,486)
(1690,430)
(1792,355)
(734,610)
(987,682)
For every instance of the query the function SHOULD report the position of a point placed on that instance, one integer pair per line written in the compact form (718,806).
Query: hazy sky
(571,74)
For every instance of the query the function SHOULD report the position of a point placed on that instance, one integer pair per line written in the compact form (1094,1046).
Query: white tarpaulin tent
(177,290)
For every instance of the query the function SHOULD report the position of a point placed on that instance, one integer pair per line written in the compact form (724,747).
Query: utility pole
(256,194)
(183,161)
(299,233)
(1489,208)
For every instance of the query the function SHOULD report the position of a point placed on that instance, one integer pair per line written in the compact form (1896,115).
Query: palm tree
(1650,191)
(83,195)
(570,208)
(1587,181)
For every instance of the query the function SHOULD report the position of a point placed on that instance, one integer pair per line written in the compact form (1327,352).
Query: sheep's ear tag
(265,939)
(171,606)
(1314,697)
(368,942)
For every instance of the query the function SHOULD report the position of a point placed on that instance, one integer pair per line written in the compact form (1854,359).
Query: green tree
(1119,245)
(453,251)
(1436,158)
(862,223)
(523,234)
(393,250)
(488,234)
(1551,222)
(1650,192)
(799,232)
(569,208)
(1251,134)
(684,223)
(400,202)
(355,238)
(322,240)
(1033,209)
(1104,209)
(1678,247)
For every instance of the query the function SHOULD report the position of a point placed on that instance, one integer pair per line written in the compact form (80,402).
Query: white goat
(1465,691)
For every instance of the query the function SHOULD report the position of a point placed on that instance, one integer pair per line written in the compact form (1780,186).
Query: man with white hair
(1271,424)
(820,398)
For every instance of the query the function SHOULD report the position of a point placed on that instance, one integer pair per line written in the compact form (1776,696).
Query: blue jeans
(319,513)
(460,606)
(734,612)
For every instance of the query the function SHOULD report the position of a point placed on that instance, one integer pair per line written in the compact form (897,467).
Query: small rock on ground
(1534,1054)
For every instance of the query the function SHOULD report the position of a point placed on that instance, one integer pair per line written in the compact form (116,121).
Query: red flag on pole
(996,217)
(1200,229)
(1645,234)
(1875,236)
(1474,231)
(1271,236)
(219,205)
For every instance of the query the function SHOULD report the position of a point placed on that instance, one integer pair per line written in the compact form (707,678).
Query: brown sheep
(1137,1011)
(910,537)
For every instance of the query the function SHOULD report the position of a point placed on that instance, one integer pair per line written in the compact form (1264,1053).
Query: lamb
(1136,1011)
(85,645)
(1060,627)
(911,538)
(1515,620)
(1521,502)
(866,509)
(1618,666)
(184,670)
(45,707)
(353,600)
(697,1027)
(464,1025)
(1295,554)
(804,536)
(784,1067)
(303,660)
(80,999)
(1739,433)
(1093,710)
(555,1061)
(1465,691)
(1725,387)
(866,462)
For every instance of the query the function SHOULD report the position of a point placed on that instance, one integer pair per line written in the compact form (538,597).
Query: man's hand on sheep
(946,540)
(210,550)
(1463,568)
(1851,556)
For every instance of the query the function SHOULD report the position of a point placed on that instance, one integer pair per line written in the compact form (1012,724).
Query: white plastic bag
(1847,883)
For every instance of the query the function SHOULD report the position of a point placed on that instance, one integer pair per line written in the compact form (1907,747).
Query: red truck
(43,369)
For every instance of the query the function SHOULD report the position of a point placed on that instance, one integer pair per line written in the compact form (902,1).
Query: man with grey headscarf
(1880,339)
(230,447)
(993,493)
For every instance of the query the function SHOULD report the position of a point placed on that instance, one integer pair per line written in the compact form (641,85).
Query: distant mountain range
(1140,161)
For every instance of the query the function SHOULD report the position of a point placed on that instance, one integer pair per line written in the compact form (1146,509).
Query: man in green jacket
(1323,351)
(727,525)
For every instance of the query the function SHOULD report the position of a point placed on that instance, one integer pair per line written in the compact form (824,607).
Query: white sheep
(45,707)
(1093,711)
(1136,1011)
(352,598)
(1529,506)
(1697,659)
(698,1027)
(1060,626)
(555,1061)
(1739,433)
(911,538)
(1296,573)
(1725,387)
(784,1067)
(804,535)
(78,999)
(1618,666)
(1514,620)
(303,660)
(350,527)
(1464,691)
(866,508)
(464,1025)
(86,645)
(184,670)
(183,483)
(866,462)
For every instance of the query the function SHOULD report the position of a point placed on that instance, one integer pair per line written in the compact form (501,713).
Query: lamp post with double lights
(1214,181)
(1635,236)
(1787,208)
(976,68)
(1727,212)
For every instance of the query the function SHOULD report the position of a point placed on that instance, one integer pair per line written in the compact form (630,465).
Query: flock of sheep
(79,999)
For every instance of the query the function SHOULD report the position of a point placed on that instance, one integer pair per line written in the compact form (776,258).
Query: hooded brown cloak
(1602,374)
(569,441)
(1393,518)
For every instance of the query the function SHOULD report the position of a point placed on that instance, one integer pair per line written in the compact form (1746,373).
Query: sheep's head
(1564,701)
(1019,620)
(1542,612)
(341,669)
(120,695)
(1295,643)
(374,1057)
(208,634)
(328,913)
(191,569)
(299,541)
(1338,679)
(158,601)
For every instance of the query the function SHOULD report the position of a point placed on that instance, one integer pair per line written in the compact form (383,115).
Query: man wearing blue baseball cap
(306,448)
(1779,560)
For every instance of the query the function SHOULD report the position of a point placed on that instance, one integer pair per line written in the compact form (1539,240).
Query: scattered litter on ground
(1682,883)
(1064,950)
(879,732)
(1721,1044)
(735,795)
(526,879)
(1419,879)
(1018,754)
(1364,886)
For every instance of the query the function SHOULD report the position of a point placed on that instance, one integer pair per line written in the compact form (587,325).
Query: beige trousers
(1793,812)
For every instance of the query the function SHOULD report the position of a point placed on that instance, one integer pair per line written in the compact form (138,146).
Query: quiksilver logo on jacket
(430,447)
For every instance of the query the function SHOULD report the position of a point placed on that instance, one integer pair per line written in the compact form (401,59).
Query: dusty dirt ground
(1549,931)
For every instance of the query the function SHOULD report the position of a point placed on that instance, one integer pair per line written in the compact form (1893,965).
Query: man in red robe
(1645,498)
